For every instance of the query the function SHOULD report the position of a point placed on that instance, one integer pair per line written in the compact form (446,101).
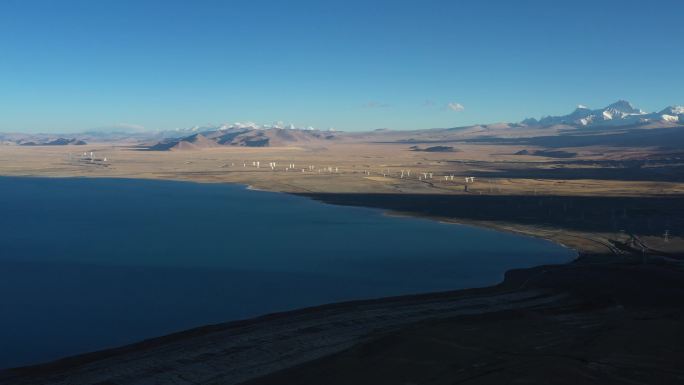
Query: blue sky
(352,65)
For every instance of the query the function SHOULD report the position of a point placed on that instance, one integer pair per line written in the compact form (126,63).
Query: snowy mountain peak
(237,126)
(673,110)
(620,113)
(624,107)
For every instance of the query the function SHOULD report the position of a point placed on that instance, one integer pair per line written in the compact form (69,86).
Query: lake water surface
(87,264)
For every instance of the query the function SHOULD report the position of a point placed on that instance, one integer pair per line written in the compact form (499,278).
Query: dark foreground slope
(622,326)
(585,322)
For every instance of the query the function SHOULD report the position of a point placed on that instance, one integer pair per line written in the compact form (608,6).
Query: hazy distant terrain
(619,124)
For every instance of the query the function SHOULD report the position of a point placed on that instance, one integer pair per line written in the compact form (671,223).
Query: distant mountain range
(618,117)
(55,142)
(247,136)
(620,113)
(619,122)
(38,140)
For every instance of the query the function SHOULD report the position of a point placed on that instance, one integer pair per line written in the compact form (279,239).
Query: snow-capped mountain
(246,136)
(620,113)
(673,114)
(179,132)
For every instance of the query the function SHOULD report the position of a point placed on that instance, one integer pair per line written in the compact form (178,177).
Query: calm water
(87,264)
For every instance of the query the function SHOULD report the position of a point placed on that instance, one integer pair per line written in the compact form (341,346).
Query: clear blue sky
(75,65)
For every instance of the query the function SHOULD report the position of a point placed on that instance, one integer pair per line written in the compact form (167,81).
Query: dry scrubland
(351,160)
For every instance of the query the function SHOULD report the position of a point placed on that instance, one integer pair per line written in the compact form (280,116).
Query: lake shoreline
(580,241)
(528,286)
